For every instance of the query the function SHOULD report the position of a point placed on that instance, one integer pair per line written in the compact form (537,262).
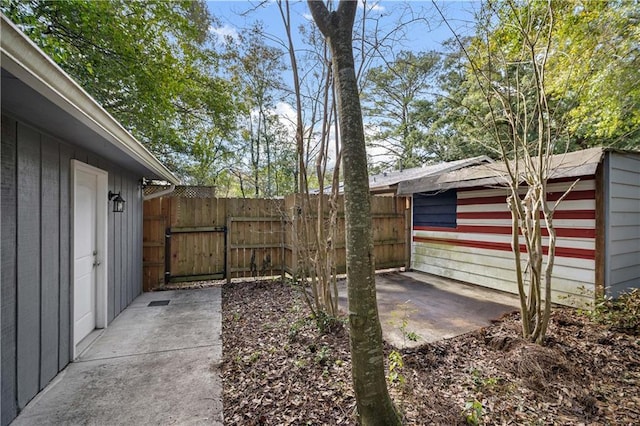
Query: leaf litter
(279,369)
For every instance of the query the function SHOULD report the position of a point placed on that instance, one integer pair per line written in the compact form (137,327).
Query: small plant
(395,365)
(582,300)
(294,329)
(295,308)
(472,412)
(413,336)
(323,355)
(476,375)
(407,335)
(253,357)
(621,314)
(404,323)
(481,382)
(327,323)
(491,381)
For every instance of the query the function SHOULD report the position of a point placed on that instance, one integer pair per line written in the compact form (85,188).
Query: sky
(427,34)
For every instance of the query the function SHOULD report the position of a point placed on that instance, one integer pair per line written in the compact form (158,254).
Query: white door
(85,254)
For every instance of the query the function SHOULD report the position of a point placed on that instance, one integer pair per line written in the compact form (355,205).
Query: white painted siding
(622,259)
(478,249)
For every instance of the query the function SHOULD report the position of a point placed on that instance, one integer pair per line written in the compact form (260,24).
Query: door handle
(96,263)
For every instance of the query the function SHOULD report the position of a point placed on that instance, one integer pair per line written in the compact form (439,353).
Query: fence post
(408,232)
(282,244)
(227,257)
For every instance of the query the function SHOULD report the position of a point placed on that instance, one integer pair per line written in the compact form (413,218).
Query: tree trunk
(372,397)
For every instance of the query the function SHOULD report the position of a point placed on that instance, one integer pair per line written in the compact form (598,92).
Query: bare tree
(313,229)
(372,397)
(511,78)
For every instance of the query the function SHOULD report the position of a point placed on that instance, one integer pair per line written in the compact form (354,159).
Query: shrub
(621,314)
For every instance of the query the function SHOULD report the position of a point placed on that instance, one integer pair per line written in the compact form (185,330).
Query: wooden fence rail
(191,239)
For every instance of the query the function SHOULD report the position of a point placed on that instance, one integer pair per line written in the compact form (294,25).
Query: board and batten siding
(477,249)
(622,223)
(36,240)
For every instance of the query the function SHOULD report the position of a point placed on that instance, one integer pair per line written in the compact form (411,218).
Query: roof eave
(22,58)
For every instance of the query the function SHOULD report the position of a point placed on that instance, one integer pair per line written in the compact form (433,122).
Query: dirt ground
(278,369)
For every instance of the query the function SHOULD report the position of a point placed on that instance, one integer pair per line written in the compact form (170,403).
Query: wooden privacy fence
(192,239)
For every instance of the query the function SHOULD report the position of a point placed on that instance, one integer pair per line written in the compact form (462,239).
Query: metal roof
(36,90)
(387,182)
(571,164)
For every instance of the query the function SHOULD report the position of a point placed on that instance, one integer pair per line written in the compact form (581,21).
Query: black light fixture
(118,202)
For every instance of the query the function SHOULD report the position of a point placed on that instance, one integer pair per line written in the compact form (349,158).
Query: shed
(461,226)
(70,264)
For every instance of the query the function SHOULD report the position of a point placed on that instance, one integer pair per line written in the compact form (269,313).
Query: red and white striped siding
(478,250)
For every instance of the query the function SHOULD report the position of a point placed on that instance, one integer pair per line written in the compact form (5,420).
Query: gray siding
(28,271)
(49,262)
(623,223)
(36,268)
(8,276)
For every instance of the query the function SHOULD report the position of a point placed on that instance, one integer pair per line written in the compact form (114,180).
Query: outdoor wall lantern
(118,202)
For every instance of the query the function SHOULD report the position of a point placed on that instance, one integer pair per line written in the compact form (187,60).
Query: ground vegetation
(279,368)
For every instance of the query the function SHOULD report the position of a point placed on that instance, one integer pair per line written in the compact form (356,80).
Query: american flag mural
(465,234)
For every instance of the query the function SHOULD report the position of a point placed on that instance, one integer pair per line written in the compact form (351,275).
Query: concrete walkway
(152,365)
(434,308)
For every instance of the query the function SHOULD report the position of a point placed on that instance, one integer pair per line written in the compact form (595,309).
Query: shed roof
(36,90)
(571,164)
(387,182)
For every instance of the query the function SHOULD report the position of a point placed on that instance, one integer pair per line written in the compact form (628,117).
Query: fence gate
(195,253)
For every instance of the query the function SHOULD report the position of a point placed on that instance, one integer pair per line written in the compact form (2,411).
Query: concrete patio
(434,308)
(152,365)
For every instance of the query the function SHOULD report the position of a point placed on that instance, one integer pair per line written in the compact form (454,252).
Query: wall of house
(35,253)
(622,259)
(477,248)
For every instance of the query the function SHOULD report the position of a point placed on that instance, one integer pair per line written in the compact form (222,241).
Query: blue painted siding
(435,209)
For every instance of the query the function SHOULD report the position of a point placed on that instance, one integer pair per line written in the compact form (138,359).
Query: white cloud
(224,32)
(286,111)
